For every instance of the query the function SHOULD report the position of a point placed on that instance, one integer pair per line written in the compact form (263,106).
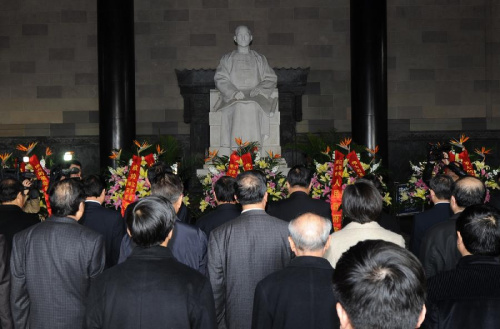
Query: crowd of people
(249,263)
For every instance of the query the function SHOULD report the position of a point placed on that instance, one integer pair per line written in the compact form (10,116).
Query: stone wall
(443,59)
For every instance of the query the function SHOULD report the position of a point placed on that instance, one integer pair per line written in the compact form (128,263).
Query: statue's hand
(239,95)
(255,92)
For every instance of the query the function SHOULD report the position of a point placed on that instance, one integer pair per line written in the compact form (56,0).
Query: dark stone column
(115,31)
(369,74)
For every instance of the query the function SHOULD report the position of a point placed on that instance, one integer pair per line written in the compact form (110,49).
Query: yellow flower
(262,164)
(492,185)
(203,205)
(322,168)
(220,167)
(281,181)
(420,193)
(185,200)
(345,174)
(387,198)
(365,166)
(207,180)
(413,180)
(479,165)
(404,196)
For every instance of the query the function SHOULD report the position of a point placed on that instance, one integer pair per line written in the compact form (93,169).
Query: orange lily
(211,155)
(345,143)
(482,152)
(374,151)
(28,149)
(159,150)
(48,152)
(115,155)
(460,142)
(238,141)
(327,151)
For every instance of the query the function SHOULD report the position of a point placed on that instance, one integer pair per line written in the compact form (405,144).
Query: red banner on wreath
(41,175)
(355,164)
(247,161)
(131,185)
(336,194)
(464,156)
(234,165)
(150,160)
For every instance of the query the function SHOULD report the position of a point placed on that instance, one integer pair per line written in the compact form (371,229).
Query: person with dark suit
(440,188)
(52,264)
(298,184)
(300,295)
(188,243)
(12,217)
(151,289)
(107,222)
(5,315)
(469,295)
(244,251)
(227,208)
(439,247)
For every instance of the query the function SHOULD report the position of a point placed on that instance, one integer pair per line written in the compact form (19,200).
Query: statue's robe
(247,118)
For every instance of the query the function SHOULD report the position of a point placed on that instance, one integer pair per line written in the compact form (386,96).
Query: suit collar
(10,207)
(227,206)
(311,261)
(298,194)
(62,220)
(355,225)
(151,252)
(251,212)
(475,260)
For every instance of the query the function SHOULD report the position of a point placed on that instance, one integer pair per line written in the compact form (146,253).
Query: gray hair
(309,231)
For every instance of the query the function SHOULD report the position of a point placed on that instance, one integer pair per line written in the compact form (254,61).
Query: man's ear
(345,323)
(421,317)
(327,245)
(292,244)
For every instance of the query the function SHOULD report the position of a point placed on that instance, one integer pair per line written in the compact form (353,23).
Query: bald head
(469,191)
(309,234)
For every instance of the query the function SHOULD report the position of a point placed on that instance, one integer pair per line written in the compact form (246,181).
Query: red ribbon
(234,165)
(247,161)
(131,185)
(355,164)
(150,160)
(41,175)
(464,156)
(336,193)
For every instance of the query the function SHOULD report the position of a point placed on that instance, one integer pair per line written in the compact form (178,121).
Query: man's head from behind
(478,229)
(11,190)
(251,187)
(309,235)
(225,189)
(151,221)
(299,176)
(441,187)
(361,202)
(66,198)
(379,285)
(169,186)
(94,187)
(468,191)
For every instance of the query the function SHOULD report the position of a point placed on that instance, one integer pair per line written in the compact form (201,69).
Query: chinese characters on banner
(336,194)
(131,186)
(41,175)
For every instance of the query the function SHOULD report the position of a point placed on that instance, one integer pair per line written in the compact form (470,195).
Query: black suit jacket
(13,219)
(439,247)
(422,222)
(151,290)
(188,245)
(240,254)
(52,264)
(466,297)
(299,296)
(5,316)
(296,204)
(110,224)
(221,215)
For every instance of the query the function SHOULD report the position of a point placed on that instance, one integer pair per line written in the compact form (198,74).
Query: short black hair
(158,168)
(251,187)
(9,189)
(469,191)
(150,221)
(93,186)
(65,197)
(167,185)
(442,185)
(480,230)
(74,162)
(225,189)
(361,202)
(299,176)
(380,285)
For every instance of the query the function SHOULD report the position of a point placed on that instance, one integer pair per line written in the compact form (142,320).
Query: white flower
(42,162)
(213,170)
(174,168)
(257,156)
(275,169)
(375,166)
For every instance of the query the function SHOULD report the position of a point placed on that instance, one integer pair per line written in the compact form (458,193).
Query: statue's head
(242,36)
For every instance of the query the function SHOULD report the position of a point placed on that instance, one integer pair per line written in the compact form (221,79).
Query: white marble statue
(246,82)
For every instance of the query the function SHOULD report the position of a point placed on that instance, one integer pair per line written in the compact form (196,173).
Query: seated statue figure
(246,82)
